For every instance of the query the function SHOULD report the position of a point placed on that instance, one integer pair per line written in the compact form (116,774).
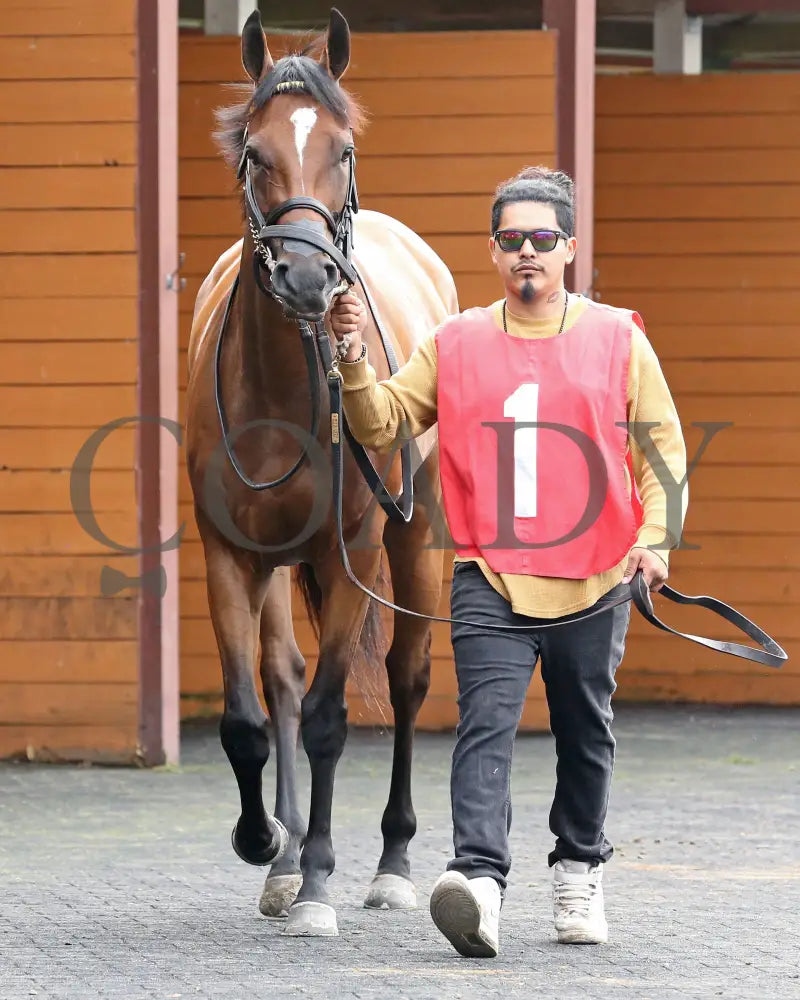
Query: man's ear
(256,58)
(493,250)
(572,249)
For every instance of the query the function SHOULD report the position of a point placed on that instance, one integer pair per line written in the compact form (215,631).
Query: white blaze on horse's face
(304,120)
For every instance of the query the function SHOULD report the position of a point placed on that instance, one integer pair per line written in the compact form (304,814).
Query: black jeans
(494,669)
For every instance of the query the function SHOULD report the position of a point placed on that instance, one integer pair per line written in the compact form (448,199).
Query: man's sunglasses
(542,240)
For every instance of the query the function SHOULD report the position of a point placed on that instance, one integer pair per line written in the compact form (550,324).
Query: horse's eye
(348,152)
(256,161)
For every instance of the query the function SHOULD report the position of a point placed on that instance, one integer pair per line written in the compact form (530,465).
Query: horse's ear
(255,51)
(336,57)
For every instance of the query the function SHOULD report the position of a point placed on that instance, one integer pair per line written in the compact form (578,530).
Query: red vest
(545,500)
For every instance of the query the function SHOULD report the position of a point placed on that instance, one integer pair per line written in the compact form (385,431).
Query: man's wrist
(358,354)
(661,551)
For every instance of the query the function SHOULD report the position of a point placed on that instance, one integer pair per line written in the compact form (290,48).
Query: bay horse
(292,142)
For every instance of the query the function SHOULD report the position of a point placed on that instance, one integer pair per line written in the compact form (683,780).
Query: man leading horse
(573,374)
(540,388)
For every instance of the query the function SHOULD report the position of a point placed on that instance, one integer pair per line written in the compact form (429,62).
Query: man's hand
(654,569)
(349,317)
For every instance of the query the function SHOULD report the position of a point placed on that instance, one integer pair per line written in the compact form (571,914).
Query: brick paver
(122,884)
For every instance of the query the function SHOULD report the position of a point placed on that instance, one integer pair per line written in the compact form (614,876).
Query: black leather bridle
(314,338)
(316,344)
(264,228)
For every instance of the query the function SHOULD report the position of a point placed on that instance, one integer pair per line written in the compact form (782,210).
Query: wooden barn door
(698,227)
(88,655)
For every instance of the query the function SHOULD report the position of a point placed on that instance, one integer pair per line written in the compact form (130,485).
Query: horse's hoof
(311,920)
(391,892)
(279,893)
(276,850)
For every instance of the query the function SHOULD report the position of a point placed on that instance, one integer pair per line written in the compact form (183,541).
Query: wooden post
(168,370)
(677,39)
(157,449)
(227,17)
(575,22)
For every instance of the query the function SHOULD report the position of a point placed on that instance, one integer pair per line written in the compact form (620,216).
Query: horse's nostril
(279,271)
(305,285)
(281,278)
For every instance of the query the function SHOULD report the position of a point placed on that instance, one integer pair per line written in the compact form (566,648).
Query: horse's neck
(269,348)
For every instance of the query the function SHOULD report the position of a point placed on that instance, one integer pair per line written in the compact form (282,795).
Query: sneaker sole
(457,916)
(581,937)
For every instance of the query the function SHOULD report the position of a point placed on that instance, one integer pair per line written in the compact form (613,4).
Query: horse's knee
(409,679)
(244,739)
(297,669)
(293,677)
(283,676)
(323,724)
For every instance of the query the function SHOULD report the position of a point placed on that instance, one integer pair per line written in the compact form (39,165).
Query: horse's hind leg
(283,674)
(323,726)
(235,600)
(417,584)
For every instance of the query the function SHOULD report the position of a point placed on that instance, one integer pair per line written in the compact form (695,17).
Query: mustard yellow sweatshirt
(375,411)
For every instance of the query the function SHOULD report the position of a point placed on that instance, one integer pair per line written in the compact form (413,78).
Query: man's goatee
(528,293)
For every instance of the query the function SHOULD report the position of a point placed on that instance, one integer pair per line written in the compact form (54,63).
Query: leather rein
(318,351)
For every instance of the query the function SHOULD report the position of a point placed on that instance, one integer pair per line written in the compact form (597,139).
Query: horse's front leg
(235,599)
(323,725)
(416,568)
(283,675)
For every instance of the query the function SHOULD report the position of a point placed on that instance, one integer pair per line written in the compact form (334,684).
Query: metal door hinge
(174,282)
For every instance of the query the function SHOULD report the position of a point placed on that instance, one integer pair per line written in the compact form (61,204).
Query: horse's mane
(309,76)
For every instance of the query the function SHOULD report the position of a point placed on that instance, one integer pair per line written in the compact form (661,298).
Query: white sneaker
(578,903)
(467,912)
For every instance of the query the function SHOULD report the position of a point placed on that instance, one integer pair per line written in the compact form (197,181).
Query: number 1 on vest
(523,406)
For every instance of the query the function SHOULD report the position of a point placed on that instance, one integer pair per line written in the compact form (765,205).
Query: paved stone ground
(122,884)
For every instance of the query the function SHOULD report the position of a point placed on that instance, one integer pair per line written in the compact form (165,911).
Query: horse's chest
(287,521)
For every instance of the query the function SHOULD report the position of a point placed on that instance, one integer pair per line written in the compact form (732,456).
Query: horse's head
(293,141)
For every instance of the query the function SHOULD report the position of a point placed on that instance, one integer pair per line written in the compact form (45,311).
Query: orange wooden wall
(68,364)
(698,227)
(443,133)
